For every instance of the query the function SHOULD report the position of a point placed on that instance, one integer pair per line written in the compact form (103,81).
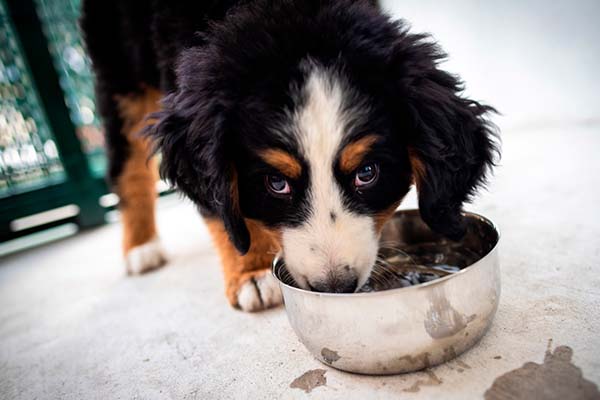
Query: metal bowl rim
(404,289)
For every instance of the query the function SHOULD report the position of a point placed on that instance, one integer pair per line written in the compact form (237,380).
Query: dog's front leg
(249,283)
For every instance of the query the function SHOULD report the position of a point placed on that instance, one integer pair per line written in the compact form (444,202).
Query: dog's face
(326,176)
(316,123)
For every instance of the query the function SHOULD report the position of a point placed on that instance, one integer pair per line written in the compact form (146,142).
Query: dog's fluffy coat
(261,88)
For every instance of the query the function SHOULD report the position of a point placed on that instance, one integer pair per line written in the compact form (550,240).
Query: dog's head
(315,118)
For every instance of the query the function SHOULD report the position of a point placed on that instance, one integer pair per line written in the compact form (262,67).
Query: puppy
(295,126)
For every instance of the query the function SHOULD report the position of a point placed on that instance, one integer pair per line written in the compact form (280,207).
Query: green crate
(50,162)
(29,158)
(59,20)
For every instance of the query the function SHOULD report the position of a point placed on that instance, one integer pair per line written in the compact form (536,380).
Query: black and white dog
(294,125)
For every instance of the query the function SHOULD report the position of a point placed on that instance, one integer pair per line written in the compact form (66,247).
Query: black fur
(123,62)
(134,44)
(450,134)
(236,69)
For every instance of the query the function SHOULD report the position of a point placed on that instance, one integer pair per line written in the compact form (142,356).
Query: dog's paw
(145,257)
(259,292)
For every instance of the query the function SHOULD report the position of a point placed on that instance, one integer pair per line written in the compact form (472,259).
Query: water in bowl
(418,263)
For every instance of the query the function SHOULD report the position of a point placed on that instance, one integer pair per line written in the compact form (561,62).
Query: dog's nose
(335,284)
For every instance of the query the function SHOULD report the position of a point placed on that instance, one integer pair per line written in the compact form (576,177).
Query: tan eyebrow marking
(283,161)
(353,154)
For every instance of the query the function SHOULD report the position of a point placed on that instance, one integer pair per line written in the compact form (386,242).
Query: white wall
(537,61)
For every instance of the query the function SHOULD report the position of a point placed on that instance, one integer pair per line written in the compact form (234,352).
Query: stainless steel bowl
(407,329)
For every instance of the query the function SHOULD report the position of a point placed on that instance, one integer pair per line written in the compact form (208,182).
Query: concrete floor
(73,326)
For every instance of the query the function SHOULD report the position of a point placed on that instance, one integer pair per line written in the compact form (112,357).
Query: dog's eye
(366,175)
(277,184)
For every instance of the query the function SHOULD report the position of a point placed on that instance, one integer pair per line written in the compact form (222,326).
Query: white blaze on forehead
(331,237)
(319,123)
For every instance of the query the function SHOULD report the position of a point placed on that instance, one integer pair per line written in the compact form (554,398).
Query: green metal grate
(59,20)
(29,157)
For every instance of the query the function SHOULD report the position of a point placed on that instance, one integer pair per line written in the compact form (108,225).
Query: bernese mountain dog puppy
(295,126)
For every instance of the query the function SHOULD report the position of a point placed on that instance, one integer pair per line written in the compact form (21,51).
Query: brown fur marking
(136,184)
(353,153)
(283,161)
(383,216)
(418,169)
(238,269)
(235,196)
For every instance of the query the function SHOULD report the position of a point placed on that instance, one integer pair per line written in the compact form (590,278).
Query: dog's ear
(451,145)
(191,136)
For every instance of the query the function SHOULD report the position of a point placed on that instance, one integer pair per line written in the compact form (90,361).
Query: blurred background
(535,61)
(52,155)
